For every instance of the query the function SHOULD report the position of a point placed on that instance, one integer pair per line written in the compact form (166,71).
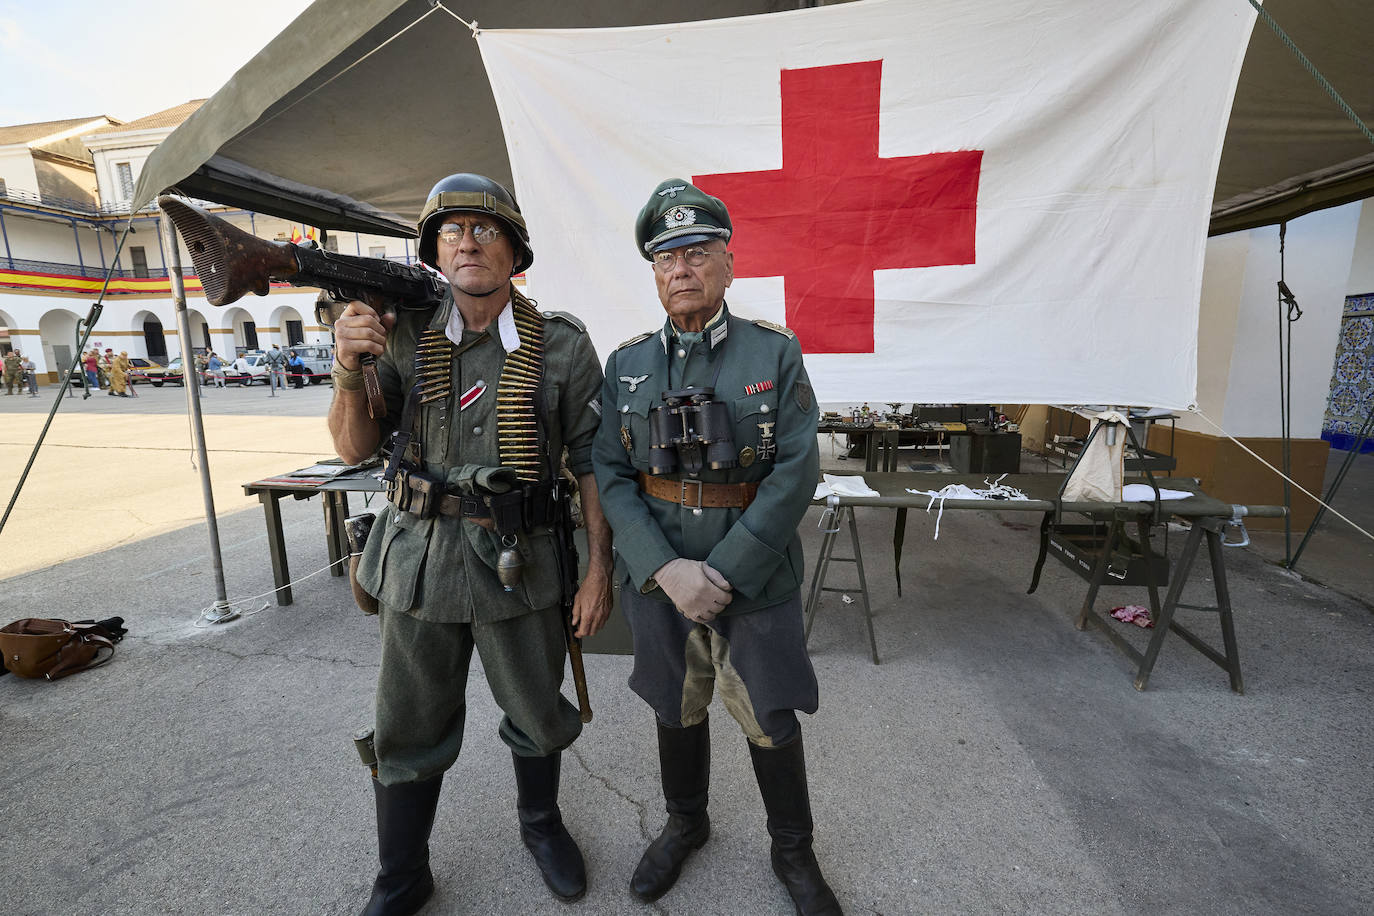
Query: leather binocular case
(357,528)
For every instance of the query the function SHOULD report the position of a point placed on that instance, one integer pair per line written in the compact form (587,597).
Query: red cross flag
(972,201)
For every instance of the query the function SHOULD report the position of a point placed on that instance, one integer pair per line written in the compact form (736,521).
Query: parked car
(145,371)
(318,359)
(257,369)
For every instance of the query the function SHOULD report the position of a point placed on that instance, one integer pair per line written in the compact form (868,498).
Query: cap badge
(672,192)
(682,216)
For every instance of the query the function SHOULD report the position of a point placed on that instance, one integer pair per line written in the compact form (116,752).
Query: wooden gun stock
(232,263)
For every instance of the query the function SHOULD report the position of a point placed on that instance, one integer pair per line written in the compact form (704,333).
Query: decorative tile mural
(1352,376)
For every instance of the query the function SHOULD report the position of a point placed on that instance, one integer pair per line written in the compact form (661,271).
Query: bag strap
(69,664)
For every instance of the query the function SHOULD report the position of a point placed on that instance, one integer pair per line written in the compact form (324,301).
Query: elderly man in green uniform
(489,392)
(12,372)
(707,460)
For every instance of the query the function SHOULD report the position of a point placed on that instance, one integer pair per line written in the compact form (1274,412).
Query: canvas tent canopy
(348,115)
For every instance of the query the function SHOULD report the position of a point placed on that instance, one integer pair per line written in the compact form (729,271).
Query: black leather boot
(405,816)
(781,773)
(684,761)
(541,826)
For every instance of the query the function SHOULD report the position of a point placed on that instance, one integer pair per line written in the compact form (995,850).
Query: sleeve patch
(803,393)
(595,405)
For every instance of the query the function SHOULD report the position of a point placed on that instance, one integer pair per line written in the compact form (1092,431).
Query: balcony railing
(24,265)
(69,204)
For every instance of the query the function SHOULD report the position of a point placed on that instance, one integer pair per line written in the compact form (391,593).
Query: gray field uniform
(760,663)
(435,579)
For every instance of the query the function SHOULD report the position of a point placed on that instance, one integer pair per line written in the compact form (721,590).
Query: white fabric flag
(948,200)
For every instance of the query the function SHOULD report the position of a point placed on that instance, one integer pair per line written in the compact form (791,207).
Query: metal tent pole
(221,611)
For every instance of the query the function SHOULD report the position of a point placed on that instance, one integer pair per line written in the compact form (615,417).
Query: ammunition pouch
(415,492)
(519,509)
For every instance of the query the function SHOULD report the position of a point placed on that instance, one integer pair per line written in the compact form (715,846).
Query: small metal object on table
(334,491)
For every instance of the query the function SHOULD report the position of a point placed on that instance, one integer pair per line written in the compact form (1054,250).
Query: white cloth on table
(843,485)
(995,490)
(1144,493)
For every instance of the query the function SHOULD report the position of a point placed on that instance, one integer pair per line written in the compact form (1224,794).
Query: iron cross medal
(768,446)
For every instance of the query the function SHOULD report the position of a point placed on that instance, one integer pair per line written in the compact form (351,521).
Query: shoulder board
(636,339)
(786,332)
(569,318)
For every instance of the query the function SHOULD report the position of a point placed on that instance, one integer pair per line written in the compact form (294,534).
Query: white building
(65,189)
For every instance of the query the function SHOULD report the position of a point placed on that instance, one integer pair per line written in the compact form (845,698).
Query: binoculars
(692,429)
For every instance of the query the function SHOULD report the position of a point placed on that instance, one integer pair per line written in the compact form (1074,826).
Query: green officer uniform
(757,370)
(435,578)
(740,518)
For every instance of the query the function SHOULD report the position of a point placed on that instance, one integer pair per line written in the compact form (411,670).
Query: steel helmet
(466,191)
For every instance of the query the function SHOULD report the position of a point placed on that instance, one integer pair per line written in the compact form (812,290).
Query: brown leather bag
(53,649)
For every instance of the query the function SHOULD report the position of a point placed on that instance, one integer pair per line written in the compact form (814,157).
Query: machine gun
(232,263)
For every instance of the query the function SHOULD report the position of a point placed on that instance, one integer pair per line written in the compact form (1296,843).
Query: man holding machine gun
(707,460)
(482,395)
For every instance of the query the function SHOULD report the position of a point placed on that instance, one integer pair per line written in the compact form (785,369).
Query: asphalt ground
(997,761)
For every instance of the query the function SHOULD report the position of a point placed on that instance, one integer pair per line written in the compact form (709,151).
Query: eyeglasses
(483,233)
(694,256)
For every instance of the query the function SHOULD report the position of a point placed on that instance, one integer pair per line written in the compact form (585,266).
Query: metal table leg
(336,540)
(822,568)
(276,545)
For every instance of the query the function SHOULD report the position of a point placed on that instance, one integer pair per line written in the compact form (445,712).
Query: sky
(77,58)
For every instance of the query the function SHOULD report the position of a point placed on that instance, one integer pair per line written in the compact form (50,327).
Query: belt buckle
(682,499)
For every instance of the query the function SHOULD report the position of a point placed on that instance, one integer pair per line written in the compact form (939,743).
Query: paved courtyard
(997,761)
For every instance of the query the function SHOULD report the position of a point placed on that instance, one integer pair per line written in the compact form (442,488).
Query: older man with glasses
(707,459)
(483,394)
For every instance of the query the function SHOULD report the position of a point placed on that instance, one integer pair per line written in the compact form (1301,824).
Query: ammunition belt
(693,494)
(425,497)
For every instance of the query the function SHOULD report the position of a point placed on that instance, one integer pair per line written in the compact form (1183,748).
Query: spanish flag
(296,234)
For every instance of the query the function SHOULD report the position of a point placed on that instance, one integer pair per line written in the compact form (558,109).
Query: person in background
(295,367)
(119,375)
(215,366)
(30,375)
(242,370)
(276,370)
(12,372)
(91,361)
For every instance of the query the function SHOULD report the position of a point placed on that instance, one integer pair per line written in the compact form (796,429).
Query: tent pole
(221,611)
(1336,482)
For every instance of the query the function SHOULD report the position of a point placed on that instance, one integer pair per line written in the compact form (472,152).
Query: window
(250,335)
(124,174)
(331,243)
(295,332)
(376,251)
(140,261)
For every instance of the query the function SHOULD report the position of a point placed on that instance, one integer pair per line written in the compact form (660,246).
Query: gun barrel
(230,262)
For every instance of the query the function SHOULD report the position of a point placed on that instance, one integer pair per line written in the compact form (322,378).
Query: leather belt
(693,494)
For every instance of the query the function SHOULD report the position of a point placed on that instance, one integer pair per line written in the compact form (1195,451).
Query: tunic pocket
(393,560)
(755,424)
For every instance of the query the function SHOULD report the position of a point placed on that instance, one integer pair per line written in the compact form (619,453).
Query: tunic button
(479,384)
(763,408)
(477,430)
(696,512)
(624,408)
(681,353)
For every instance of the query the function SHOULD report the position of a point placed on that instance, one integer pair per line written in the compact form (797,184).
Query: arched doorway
(155,340)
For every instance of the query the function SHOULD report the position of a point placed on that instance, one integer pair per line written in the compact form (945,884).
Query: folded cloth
(843,485)
(1144,493)
(1133,613)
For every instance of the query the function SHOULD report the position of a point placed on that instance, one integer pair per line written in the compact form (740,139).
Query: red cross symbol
(835,212)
